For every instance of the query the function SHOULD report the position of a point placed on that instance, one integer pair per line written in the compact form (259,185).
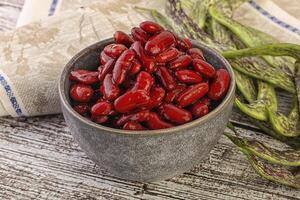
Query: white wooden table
(40,160)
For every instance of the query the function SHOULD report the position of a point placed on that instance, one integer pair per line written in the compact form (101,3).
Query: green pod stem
(285,125)
(251,38)
(277,49)
(287,157)
(266,97)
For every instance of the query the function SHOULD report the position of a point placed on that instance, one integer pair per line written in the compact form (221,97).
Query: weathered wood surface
(40,160)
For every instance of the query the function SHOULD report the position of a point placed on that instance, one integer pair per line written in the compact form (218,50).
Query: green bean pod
(293,142)
(254,67)
(199,10)
(297,80)
(259,69)
(244,83)
(246,86)
(275,173)
(266,97)
(285,125)
(269,162)
(276,49)
(287,157)
(251,38)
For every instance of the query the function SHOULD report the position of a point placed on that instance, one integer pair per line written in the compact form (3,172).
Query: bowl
(151,155)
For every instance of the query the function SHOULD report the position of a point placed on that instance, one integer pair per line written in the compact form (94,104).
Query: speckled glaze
(145,155)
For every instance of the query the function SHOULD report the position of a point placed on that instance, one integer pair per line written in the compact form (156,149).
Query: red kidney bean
(135,67)
(188,76)
(155,122)
(84,76)
(110,90)
(175,114)
(181,62)
(199,109)
(219,85)
(147,61)
(145,86)
(101,108)
(204,68)
(167,55)
(160,65)
(133,126)
(131,100)
(172,95)
(196,53)
(82,108)
(139,35)
(144,81)
(122,65)
(136,117)
(99,119)
(157,94)
(183,44)
(106,69)
(104,58)
(81,92)
(205,100)
(192,94)
(122,38)
(166,78)
(159,43)
(151,27)
(149,64)
(114,50)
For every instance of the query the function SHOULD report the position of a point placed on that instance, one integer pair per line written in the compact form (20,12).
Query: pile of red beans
(152,79)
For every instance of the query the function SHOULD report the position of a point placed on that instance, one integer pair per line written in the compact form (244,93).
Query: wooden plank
(39,159)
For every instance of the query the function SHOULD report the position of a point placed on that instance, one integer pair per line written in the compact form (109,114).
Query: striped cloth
(21,83)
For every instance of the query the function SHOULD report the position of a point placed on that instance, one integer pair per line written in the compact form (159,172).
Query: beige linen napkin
(32,56)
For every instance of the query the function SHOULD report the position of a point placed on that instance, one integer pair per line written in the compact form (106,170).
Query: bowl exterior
(145,157)
(148,158)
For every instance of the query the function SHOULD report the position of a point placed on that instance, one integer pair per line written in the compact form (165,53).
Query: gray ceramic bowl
(145,155)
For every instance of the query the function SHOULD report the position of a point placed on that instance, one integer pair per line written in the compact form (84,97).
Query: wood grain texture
(40,160)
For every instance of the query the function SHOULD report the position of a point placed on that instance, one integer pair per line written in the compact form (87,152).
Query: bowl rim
(210,116)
